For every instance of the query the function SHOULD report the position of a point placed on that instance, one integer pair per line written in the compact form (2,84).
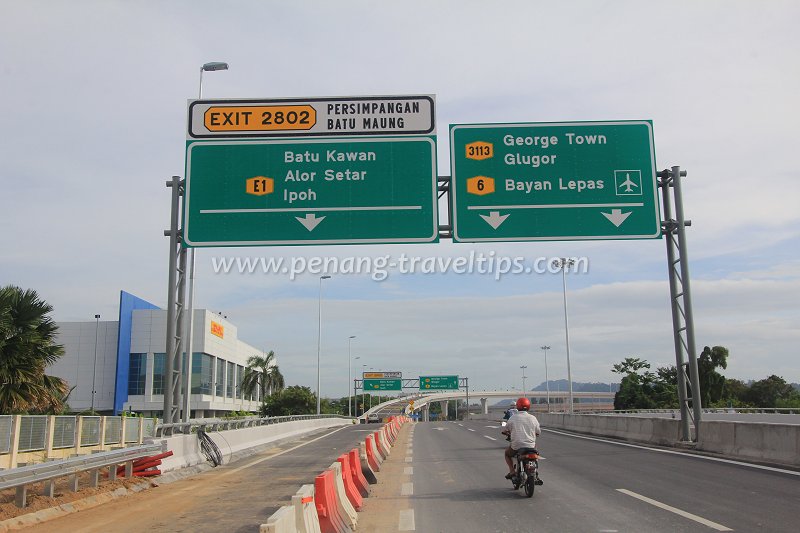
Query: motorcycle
(526,467)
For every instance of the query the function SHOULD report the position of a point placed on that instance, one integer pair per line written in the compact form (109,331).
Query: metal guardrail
(722,410)
(223,424)
(48,472)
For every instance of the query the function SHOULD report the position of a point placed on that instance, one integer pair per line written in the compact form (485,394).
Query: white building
(130,357)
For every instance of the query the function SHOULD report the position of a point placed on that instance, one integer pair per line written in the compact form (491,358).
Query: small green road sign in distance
(438,382)
(554,181)
(311,191)
(383,384)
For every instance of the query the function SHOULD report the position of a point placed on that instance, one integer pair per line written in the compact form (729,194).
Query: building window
(201,373)
(136,374)
(239,376)
(220,384)
(230,380)
(158,373)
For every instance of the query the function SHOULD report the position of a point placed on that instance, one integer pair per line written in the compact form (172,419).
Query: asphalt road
(589,485)
(232,498)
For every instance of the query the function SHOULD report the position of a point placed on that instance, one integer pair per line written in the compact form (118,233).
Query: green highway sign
(311,191)
(554,181)
(383,384)
(438,382)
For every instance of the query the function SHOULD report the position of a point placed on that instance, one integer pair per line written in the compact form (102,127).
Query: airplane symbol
(628,183)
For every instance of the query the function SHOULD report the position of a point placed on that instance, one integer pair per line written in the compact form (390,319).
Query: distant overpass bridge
(559,401)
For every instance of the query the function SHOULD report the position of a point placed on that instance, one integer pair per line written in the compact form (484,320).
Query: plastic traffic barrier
(383,447)
(366,468)
(281,521)
(346,509)
(350,489)
(372,454)
(356,471)
(305,510)
(327,507)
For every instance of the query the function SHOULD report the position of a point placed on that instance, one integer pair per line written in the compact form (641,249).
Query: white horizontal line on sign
(315,209)
(550,206)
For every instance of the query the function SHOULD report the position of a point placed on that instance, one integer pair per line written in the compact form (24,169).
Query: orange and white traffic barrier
(357,473)
(330,520)
(305,510)
(346,509)
(370,464)
(380,439)
(350,489)
(372,451)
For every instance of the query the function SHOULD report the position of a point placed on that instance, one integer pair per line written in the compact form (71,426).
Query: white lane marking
(407,520)
(462,425)
(407,489)
(248,465)
(690,516)
(408,459)
(408,471)
(470,429)
(439,429)
(490,438)
(684,454)
(493,427)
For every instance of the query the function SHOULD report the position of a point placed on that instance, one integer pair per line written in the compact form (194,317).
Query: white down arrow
(617,217)
(494,219)
(310,221)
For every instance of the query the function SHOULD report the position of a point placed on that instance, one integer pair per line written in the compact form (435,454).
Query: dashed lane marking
(407,489)
(685,514)
(490,438)
(408,471)
(407,520)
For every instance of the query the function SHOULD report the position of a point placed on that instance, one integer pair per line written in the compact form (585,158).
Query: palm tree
(27,347)
(262,374)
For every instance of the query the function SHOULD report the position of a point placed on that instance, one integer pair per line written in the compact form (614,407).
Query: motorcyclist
(523,428)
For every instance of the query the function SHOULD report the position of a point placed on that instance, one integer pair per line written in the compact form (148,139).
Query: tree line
(641,388)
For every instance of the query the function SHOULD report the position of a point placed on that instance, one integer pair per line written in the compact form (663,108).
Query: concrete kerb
(768,443)
(238,443)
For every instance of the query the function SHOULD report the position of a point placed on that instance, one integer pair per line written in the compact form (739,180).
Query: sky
(93,99)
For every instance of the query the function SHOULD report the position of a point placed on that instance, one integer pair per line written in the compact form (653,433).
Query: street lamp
(319,337)
(94,370)
(187,378)
(349,372)
(210,67)
(523,367)
(563,264)
(546,379)
(363,390)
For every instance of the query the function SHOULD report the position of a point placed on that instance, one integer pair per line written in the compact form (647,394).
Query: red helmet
(523,404)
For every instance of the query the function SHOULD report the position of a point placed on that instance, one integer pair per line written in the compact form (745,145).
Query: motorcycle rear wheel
(529,486)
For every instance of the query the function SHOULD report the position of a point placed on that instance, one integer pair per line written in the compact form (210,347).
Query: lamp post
(349,373)
(563,264)
(363,390)
(94,369)
(546,379)
(523,367)
(319,337)
(187,377)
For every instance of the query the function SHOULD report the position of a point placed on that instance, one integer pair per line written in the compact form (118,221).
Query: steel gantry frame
(413,384)
(674,230)
(175,307)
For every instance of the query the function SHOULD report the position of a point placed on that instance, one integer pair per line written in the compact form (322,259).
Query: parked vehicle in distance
(373,417)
